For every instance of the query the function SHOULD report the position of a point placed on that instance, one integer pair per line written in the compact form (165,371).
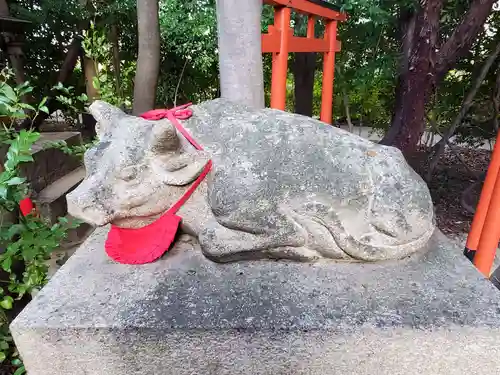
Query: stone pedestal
(430,314)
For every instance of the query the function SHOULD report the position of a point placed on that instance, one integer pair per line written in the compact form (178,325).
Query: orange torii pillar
(280,41)
(483,238)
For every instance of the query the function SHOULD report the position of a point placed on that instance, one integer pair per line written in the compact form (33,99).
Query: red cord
(180,113)
(146,244)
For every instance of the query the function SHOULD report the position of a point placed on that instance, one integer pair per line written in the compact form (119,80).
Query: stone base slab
(432,314)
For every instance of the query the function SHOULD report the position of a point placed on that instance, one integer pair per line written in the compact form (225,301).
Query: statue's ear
(169,160)
(106,116)
(180,168)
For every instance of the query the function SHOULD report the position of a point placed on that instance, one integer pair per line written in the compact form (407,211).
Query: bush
(26,241)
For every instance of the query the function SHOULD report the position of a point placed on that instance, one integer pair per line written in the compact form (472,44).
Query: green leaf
(7,264)
(23,85)
(10,164)
(16,362)
(16,181)
(44,109)
(63,220)
(19,114)
(14,148)
(3,356)
(14,230)
(3,192)
(25,90)
(20,371)
(96,83)
(4,345)
(26,106)
(8,92)
(33,137)
(7,302)
(25,158)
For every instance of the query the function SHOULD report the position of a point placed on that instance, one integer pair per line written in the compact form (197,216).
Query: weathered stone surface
(282,185)
(51,201)
(430,314)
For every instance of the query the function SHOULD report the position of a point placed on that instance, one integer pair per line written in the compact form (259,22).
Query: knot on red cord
(181,112)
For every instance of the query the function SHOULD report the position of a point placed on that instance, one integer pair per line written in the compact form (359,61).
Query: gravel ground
(450,179)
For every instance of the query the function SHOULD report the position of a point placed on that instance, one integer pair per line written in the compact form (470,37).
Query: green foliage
(188,51)
(31,240)
(74,104)
(77,150)
(7,349)
(26,242)
(12,107)
(97,48)
(366,68)
(52,29)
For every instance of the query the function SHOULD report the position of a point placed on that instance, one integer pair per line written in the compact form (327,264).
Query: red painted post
(328,73)
(484,200)
(490,234)
(310,27)
(280,59)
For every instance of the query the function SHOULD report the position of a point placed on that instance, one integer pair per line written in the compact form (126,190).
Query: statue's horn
(163,137)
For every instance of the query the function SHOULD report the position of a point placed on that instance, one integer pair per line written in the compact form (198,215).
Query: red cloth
(146,244)
(26,205)
(143,245)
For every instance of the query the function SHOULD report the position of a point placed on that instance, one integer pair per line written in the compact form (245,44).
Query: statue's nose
(84,204)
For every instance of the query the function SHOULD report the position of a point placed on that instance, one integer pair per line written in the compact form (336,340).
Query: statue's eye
(128,173)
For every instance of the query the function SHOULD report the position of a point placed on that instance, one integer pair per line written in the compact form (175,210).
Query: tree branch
(464,36)
(67,68)
(466,104)
(496,101)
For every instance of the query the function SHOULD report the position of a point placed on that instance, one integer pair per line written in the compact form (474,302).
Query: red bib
(142,245)
(146,244)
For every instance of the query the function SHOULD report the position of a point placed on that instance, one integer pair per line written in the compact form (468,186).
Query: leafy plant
(12,108)
(77,150)
(97,48)
(73,103)
(29,240)
(8,350)
(26,242)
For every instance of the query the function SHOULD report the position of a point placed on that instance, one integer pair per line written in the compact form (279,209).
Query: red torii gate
(484,235)
(280,41)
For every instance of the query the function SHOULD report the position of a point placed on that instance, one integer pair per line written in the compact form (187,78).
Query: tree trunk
(114,38)
(64,74)
(345,99)
(90,72)
(426,68)
(304,67)
(407,33)
(496,100)
(417,81)
(240,51)
(148,61)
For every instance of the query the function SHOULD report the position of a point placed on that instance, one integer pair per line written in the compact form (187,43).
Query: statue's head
(134,169)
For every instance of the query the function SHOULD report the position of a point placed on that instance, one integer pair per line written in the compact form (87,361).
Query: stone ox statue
(283,186)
